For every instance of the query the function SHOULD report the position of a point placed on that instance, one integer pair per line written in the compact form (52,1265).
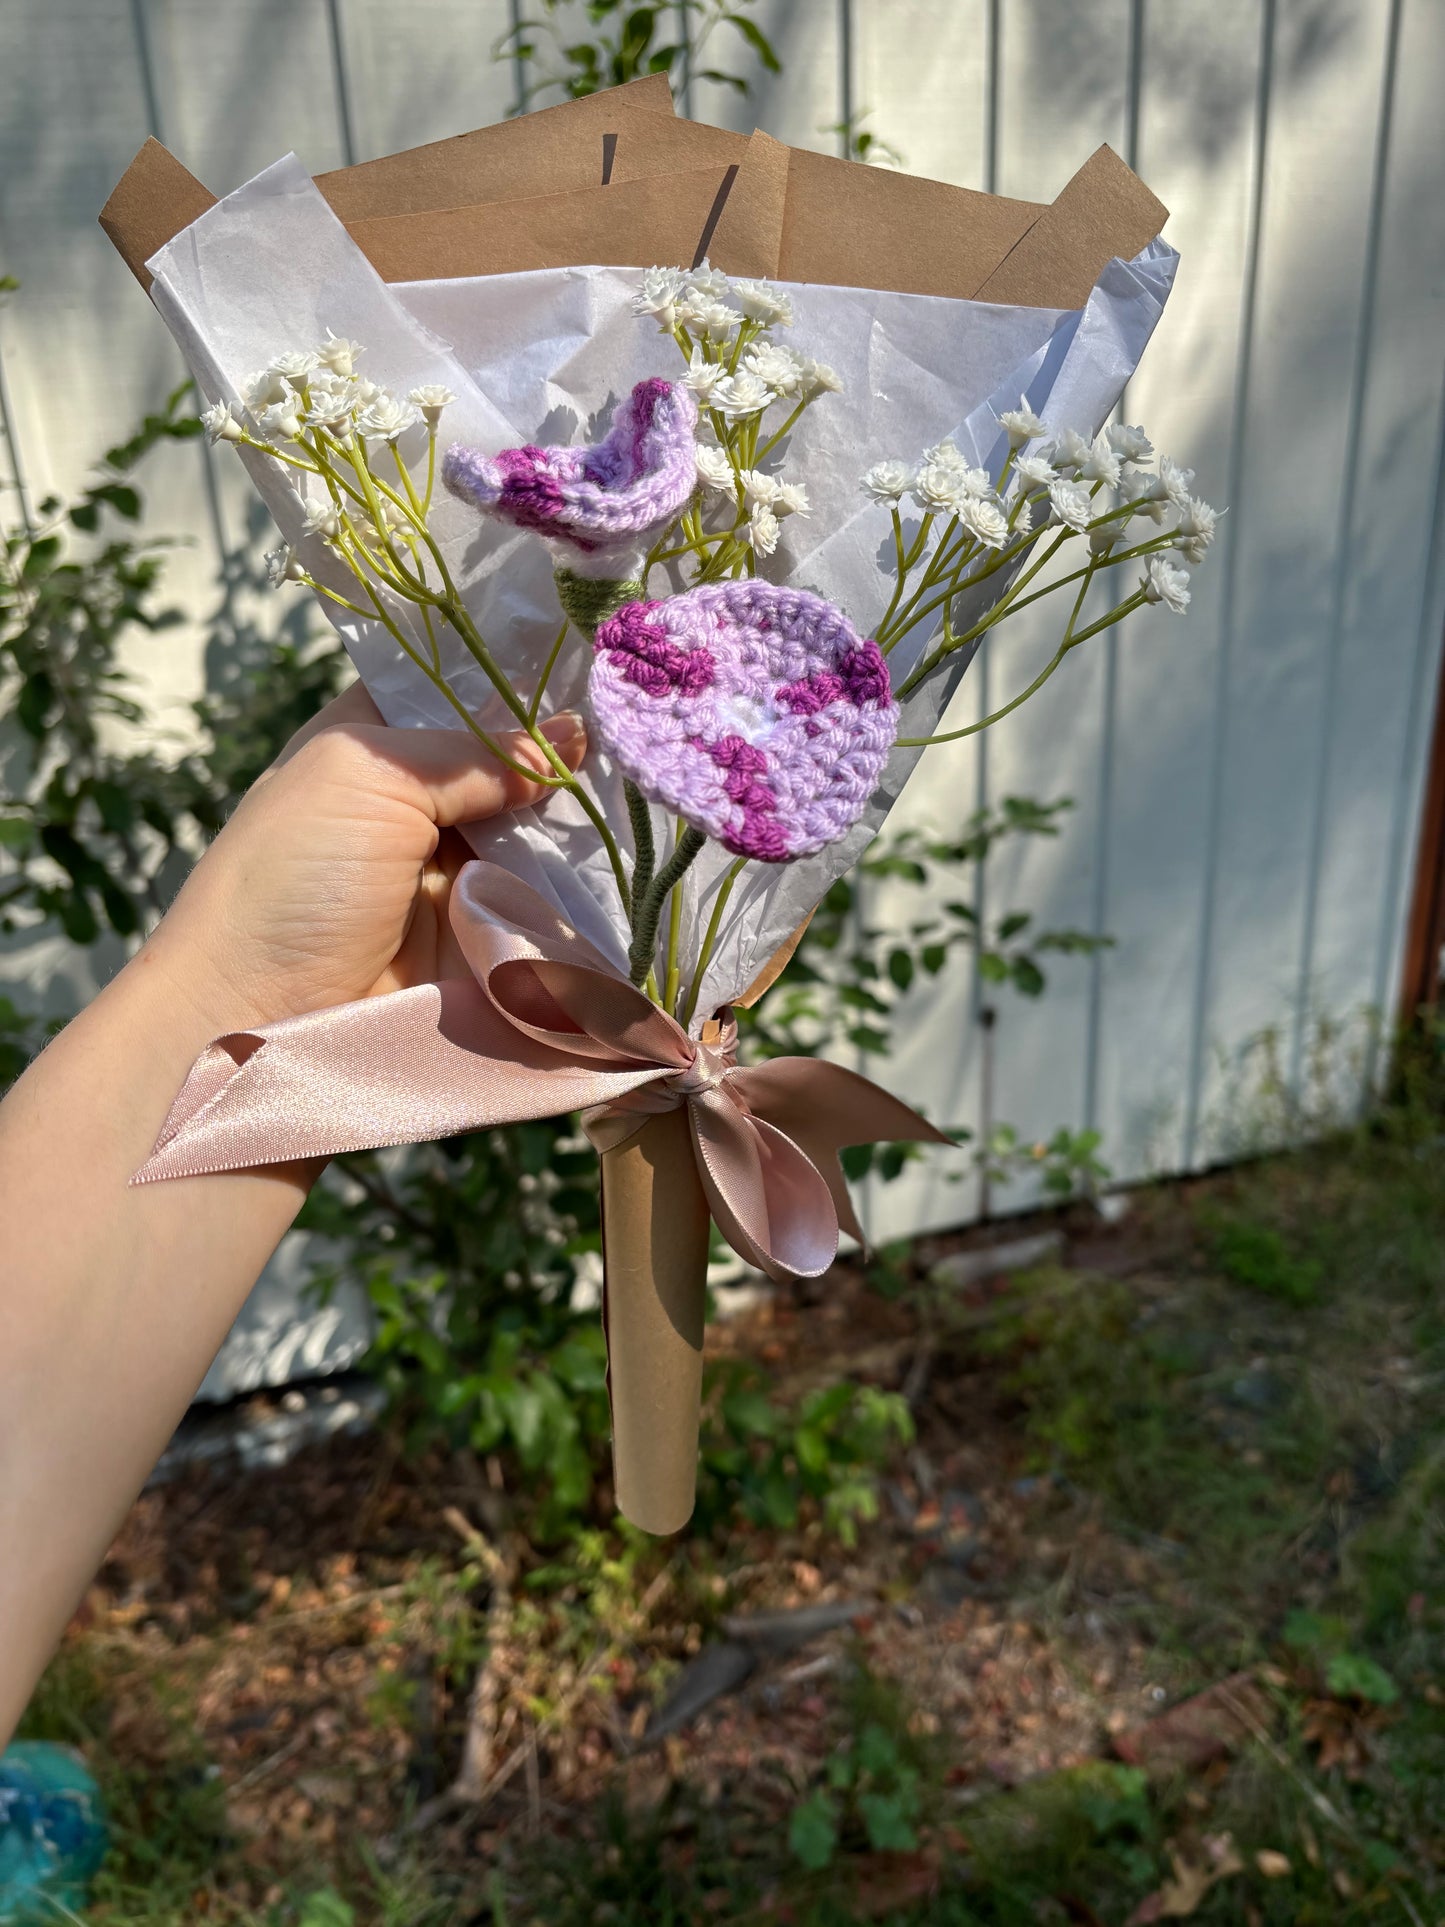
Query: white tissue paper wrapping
(543,357)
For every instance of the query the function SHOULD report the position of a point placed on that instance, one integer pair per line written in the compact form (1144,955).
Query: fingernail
(564,732)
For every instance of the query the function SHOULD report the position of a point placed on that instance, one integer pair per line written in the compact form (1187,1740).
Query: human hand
(333,878)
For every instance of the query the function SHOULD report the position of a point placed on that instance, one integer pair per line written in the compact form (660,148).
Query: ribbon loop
(546,1024)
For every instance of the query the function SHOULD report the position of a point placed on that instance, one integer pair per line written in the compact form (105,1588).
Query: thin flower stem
(279,454)
(644,854)
(548,666)
(1116,614)
(674,941)
(431,468)
(648,911)
(771,443)
(704,956)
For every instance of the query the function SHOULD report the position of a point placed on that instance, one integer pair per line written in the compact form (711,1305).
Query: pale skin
(331,882)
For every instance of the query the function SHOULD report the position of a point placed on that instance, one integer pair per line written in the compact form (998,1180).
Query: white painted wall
(1247,781)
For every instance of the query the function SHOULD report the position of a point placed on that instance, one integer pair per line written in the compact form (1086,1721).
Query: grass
(1233,1407)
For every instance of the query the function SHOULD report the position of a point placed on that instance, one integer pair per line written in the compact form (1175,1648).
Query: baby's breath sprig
(1052,492)
(751,392)
(313,414)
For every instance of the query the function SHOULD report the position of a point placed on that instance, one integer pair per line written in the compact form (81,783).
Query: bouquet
(755,513)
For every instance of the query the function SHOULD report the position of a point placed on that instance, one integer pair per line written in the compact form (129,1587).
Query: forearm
(113,1298)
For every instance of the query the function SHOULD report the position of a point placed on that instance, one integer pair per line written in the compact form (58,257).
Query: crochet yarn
(757,713)
(594,500)
(589,599)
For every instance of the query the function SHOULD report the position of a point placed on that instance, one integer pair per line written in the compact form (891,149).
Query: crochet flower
(756,712)
(600,503)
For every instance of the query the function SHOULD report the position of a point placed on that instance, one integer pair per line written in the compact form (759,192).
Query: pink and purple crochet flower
(597,500)
(756,712)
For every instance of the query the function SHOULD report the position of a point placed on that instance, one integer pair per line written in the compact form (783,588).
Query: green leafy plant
(99,825)
(874,1789)
(625,42)
(775,1460)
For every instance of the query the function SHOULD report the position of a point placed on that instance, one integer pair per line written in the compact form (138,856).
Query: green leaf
(1355,1676)
(757,40)
(900,968)
(750,1412)
(887,1823)
(1027,977)
(326,1909)
(43,554)
(813,1831)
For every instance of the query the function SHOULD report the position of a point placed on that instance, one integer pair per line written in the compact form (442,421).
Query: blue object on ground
(53,1834)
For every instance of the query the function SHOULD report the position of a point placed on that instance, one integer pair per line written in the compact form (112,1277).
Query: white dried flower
(1197,525)
(1037,471)
(339,354)
(704,377)
(1164,581)
(817,378)
(323,518)
(386,419)
(658,296)
(296,366)
(983,516)
(936,486)
(1021,424)
(776,365)
(742,395)
(1070,504)
(282,420)
(714,319)
(888,481)
(220,424)
(1104,536)
(1021,518)
(1129,444)
(1145,494)
(708,280)
(944,454)
(1069,450)
(282,565)
(761,303)
(1101,464)
(1176,480)
(791,499)
(759,487)
(431,399)
(263,390)
(714,469)
(763,530)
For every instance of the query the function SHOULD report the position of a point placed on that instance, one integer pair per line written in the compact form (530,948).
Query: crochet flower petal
(756,712)
(598,497)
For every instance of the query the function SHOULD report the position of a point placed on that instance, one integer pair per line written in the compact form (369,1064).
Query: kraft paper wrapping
(655,1230)
(591,188)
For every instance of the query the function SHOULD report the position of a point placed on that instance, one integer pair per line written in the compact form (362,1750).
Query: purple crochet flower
(756,712)
(596,499)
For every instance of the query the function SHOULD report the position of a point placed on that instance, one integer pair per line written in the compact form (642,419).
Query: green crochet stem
(588,601)
(647,909)
(642,844)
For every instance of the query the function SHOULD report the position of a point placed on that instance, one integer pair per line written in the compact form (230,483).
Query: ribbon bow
(546,1024)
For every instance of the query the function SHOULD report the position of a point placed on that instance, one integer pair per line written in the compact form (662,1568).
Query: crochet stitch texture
(757,713)
(599,498)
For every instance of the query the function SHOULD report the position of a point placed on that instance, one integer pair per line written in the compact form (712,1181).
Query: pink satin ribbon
(545,1025)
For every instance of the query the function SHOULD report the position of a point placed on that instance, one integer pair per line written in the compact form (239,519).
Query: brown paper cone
(655,1229)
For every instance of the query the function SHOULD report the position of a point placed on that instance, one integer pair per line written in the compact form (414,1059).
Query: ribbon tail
(822,1107)
(770,1201)
(400,1069)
